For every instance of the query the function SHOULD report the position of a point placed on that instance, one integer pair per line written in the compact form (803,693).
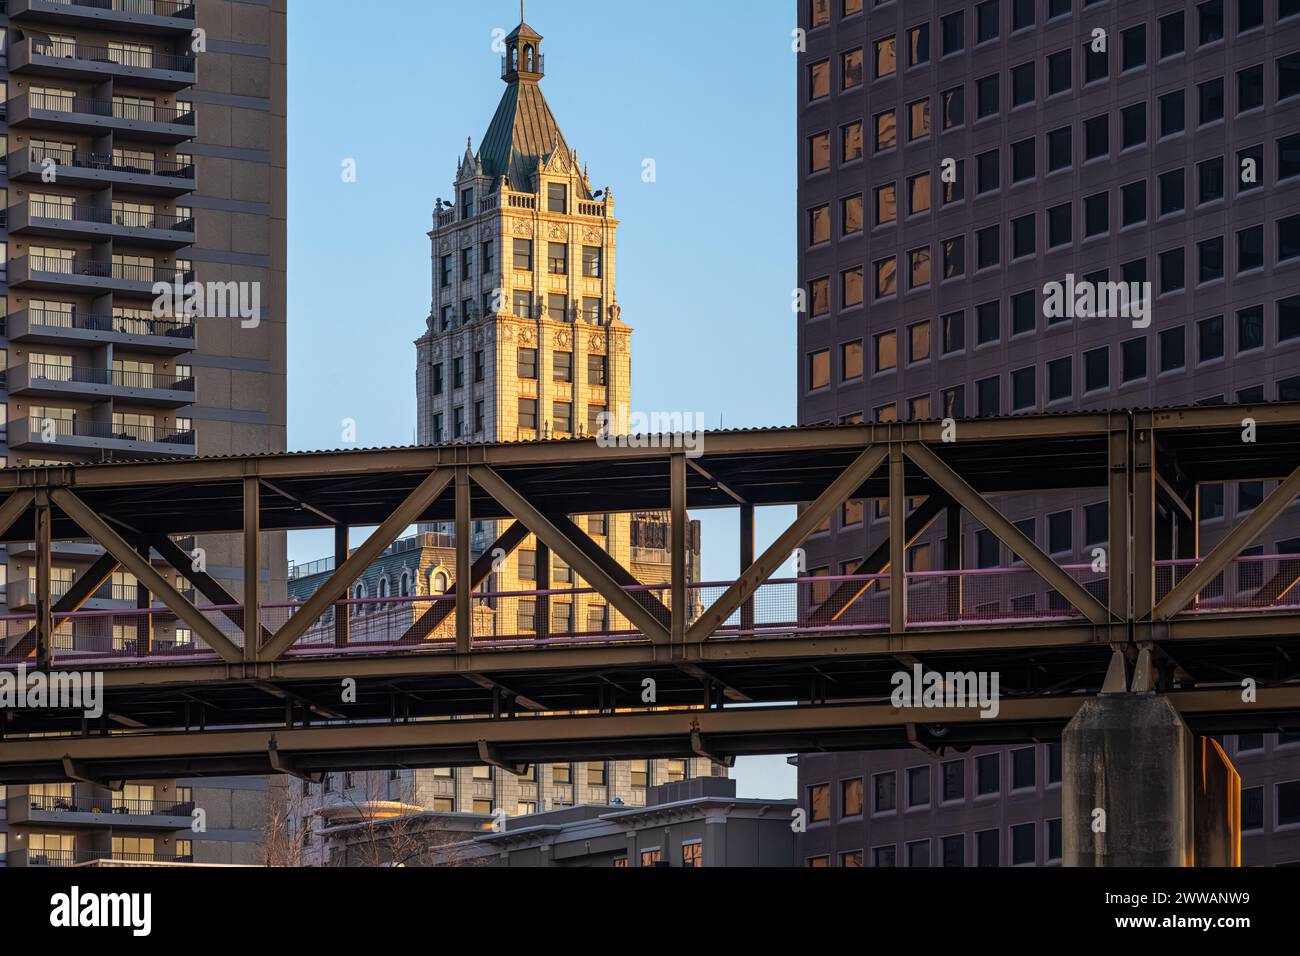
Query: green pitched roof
(523,132)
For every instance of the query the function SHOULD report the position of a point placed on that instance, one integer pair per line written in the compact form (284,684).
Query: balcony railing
(143,59)
(65,428)
(127,218)
(126,325)
(535,65)
(123,378)
(183,9)
(76,857)
(111,805)
(141,112)
(106,161)
(124,272)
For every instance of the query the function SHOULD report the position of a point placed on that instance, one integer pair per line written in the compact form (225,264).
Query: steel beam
(620,575)
(144,623)
(952,560)
(620,732)
(464,564)
(208,586)
(342,613)
(1238,539)
(1144,523)
(752,577)
(252,603)
(44,610)
(746,559)
(897,542)
(91,580)
(1008,533)
(760,442)
(504,546)
(336,586)
(14,507)
(99,530)
(1120,497)
(677,547)
(590,571)
(851,643)
(878,562)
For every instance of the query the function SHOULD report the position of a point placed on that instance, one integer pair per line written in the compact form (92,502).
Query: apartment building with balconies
(142,146)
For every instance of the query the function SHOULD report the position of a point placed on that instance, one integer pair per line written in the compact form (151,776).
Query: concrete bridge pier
(1138,788)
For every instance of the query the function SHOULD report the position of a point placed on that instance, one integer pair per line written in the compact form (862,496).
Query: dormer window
(467,204)
(557,198)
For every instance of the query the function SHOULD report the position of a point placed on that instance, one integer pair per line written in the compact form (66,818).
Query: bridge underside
(728,681)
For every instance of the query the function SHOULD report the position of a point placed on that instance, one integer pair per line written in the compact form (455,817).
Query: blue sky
(707,257)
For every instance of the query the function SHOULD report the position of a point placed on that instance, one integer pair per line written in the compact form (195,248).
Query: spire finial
(521,11)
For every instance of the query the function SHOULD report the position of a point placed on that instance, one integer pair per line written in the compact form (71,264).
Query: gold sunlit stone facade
(525,341)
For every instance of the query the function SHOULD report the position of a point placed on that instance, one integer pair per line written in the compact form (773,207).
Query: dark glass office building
(955,158)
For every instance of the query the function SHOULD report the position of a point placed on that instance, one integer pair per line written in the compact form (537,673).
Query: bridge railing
(1252,582)
(809,605)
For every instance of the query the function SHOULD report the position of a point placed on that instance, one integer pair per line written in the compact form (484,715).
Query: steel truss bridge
(226,684)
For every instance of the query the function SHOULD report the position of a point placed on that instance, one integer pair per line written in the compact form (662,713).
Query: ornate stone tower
(524,341)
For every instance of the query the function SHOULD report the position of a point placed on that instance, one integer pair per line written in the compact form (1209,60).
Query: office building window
(953,32)
(987,774)
(988,848)
(953,850)
(1060,384)
(954,780)
(1022,844)
(1133,125)
(918,786)
(884,792)
(851,797)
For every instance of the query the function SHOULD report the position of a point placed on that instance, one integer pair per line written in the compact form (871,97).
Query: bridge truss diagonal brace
(129,558)
(878,562)
(1006,532)
(619,574)
(505,545)
(1240,538)
(752,578)
(14,507)
(572,554)
(406,514)
(91,580)
(203,582)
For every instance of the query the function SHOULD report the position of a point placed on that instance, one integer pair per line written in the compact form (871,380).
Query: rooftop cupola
(523,62)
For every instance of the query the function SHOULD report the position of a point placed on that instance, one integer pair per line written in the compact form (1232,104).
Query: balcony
(162,17)
(26,858)
(95,170)
(64,60)
(100,438)
(99,811)
(71,329)
(110,597)
(72,222)
(83,274)
(82,114)
(36,381)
